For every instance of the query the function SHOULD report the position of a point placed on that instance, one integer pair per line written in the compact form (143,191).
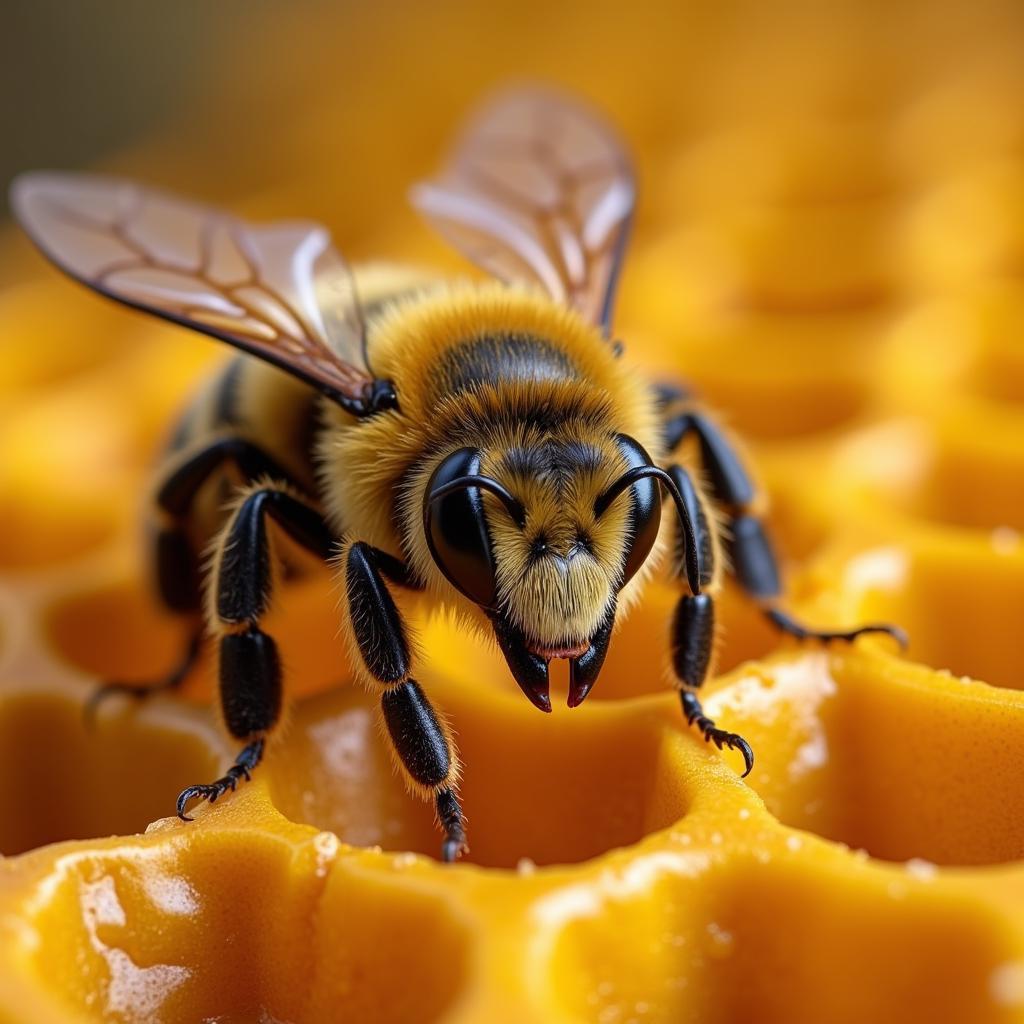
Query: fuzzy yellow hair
(364,465)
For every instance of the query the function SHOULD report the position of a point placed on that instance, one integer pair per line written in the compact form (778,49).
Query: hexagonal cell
(78,456)
(964,345)
(966,463)
(882,755)
(966,228)
(780,940)
(815,256)
(117,631)
(960,120)
(56,450)
(552,789)
(958,596)
(61,780)
(976,474)
(222,926)
(991,322)
(36,534)
(771,376)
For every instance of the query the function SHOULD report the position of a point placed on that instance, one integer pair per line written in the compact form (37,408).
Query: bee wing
(279,291)
(539,189)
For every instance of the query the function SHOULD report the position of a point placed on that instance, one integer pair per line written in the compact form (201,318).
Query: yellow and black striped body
(530,401)
(496,368)
(254,401)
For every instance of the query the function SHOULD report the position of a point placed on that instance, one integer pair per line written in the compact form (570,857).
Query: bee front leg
(420,737)
(693,625)
(240,593)
(752,559)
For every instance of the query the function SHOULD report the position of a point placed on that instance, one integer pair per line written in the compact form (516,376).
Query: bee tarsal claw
(210,791)
(449,814)
(694,714)
(452,850)
(187,796)
(735,742)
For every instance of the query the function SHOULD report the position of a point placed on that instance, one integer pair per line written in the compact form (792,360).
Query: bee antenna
(485,483)
(630,477)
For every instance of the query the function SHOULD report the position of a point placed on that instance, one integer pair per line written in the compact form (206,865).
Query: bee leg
(178,576)
(244,765)
(672,403)
(668,394)
(180,591)
(752,559)
(240,592)
(420,737)
(181,484)
(693,624)
(756,570)
(140,691)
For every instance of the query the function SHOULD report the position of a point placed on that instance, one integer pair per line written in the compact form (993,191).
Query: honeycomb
(829,250)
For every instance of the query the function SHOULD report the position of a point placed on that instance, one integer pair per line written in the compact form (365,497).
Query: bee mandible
(482,445)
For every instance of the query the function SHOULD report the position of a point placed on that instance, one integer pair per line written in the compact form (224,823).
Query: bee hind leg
(141,690)
(176,562)
(420,737)
(179,590)
(693,624)
(241,586)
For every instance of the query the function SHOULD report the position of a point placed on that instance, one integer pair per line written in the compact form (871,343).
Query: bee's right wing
(278,291)
(541,190)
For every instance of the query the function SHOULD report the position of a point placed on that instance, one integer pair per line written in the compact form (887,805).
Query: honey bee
(482,445)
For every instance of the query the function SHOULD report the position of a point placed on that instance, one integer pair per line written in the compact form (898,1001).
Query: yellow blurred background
(794,157)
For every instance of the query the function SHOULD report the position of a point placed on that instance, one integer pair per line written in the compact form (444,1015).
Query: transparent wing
(279,291)
(538,189)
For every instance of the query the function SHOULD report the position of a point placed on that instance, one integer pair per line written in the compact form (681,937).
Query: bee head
(543,536)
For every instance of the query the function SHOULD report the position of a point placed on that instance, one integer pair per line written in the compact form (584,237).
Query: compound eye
(456,529)
(644,512)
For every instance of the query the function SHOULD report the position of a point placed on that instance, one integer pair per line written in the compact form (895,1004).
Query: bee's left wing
(278,291)
(541,190)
